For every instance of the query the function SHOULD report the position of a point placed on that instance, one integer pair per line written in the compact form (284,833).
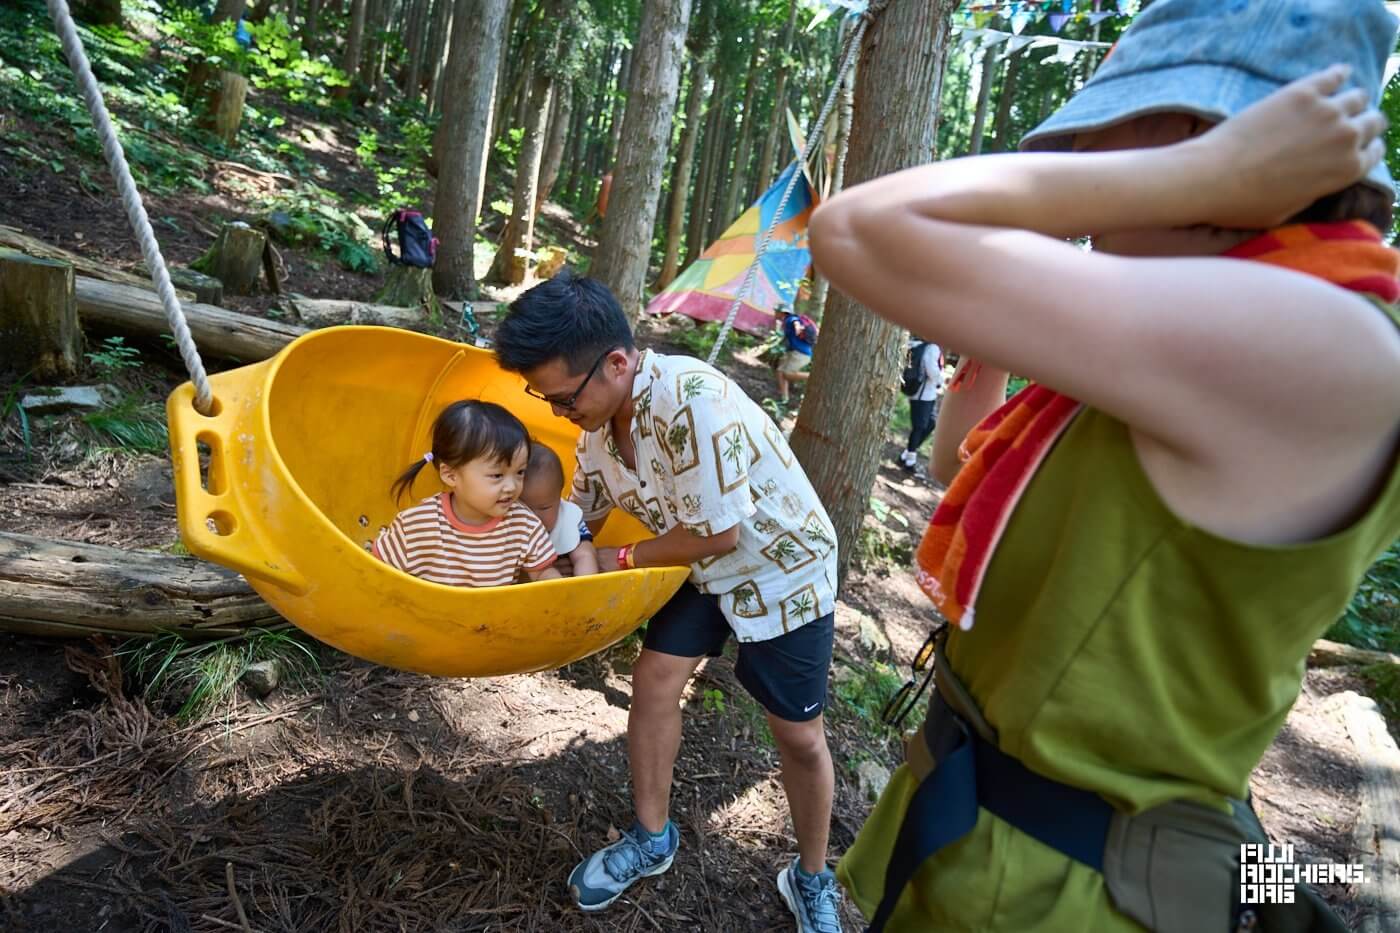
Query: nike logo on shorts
(810,708)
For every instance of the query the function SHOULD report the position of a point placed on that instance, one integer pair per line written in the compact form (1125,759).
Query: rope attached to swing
(131,200)
(849,49)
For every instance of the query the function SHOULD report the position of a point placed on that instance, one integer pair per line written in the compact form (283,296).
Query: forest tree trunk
(471,67)
(840,432)
(513,260)
(680,180)
(624,248)
(777,119)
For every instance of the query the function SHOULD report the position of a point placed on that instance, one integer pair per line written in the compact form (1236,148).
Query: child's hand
(585,559)
(607,560)
(549,573)
(1305,140)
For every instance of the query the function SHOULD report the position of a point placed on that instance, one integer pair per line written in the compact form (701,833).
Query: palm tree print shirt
(708,458)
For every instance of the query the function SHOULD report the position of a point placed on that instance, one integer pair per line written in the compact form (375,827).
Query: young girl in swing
(1139,549)
(476,532)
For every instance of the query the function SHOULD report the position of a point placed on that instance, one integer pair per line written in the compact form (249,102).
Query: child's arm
(547,573)
(584,558)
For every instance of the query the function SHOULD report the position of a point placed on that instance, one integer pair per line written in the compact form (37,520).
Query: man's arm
(675,548)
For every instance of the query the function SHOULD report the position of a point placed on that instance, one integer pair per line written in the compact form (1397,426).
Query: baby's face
(542,497)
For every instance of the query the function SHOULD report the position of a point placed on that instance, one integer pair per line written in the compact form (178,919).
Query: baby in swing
(544,486)
(477,532)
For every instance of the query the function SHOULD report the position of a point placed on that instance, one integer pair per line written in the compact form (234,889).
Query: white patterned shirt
(709,458)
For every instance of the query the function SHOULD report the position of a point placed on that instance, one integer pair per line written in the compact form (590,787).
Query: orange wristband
(624,556)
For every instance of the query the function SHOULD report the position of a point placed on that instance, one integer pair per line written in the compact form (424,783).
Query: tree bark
(376,14)
(14,239)
(218,331)
(734,200)
(1001,126)
(680,180)
(228,10)
(225,112)
(471,66)
(235,259)
(990,62)
(720,219)
(840,431)
(561,113)
(350,62)
(99,12)
(844,105)
(417,29)
(39,330)
(308,26)
(701,203)
(625,246)
(512,262)
(437,52)
(575,143)
(619,108)
(72,589)
(777,119)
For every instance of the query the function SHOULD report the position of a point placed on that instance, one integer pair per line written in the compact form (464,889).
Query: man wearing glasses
(678,445)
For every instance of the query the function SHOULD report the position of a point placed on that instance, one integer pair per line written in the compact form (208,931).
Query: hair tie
(428,457)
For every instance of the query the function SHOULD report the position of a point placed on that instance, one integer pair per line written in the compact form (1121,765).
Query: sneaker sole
(789,895)
(591,908)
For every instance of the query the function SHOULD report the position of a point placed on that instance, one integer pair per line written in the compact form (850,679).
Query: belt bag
(1173,868)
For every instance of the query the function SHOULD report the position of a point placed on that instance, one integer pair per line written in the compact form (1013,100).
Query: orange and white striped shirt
(429,541)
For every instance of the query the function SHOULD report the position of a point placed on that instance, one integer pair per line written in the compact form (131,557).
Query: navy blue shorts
(786,675)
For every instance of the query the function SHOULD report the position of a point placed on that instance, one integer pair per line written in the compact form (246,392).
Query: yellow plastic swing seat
(302,449)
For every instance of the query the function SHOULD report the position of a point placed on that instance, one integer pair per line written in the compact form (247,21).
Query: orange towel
(1003,452)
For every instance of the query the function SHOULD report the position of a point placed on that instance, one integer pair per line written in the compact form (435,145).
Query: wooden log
(1326,653)
(235,259)
(68,588)
(218,331)
(226,106)
(332,312)
(408,287)
(39,330)
(202,288)
(1378,823)
(15,239)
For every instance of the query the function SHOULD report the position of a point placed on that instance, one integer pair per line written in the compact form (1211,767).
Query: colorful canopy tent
(706,289)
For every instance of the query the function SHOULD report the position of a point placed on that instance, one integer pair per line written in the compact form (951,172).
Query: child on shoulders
(544,487)
(477,532)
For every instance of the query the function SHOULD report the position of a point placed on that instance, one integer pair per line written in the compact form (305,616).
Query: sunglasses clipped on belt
(906,697)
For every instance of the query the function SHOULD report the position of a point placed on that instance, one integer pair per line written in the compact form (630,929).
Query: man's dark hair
(568,316)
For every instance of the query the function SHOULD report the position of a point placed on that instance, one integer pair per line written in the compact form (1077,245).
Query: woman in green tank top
(1143,620)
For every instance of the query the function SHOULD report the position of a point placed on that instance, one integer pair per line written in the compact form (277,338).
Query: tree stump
(38,316)
(235,259)
(207,289)
(225,111)
(409,287)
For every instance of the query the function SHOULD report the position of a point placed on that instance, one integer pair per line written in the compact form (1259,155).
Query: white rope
(131,200)
(848,57)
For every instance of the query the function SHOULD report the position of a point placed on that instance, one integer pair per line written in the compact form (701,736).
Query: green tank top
(1120,650)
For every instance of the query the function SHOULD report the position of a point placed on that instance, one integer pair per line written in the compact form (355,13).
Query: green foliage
(201,676)
(1372,618)
(882,550)
(714,701)
(507,148)
(133,425)
(310,217)
(864,691)
(114,356)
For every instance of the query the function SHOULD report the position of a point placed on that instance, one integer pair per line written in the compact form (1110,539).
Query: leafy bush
(1372,619)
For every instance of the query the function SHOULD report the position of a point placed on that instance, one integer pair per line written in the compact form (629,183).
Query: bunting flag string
(1066,50)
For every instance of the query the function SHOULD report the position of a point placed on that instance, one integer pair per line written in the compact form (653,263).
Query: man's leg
(782,386)
(654,732)
(809,780)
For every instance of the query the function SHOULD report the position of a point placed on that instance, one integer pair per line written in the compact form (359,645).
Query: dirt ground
(373,800)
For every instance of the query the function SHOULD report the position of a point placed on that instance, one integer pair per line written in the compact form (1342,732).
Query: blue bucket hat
(1213,58)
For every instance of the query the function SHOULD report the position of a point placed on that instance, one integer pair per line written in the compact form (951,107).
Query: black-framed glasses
(906,697)
(568,403)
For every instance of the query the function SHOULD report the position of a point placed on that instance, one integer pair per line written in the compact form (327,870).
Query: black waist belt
(971,773)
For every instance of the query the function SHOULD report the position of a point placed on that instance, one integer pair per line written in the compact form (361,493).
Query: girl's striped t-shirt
(429,541)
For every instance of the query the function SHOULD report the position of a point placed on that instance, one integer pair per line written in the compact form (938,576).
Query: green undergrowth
(198,679)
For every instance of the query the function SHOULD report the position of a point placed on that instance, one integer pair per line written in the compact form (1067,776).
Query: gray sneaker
(813,900)
(601,878)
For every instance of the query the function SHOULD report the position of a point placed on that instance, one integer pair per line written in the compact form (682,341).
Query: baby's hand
(584,558)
